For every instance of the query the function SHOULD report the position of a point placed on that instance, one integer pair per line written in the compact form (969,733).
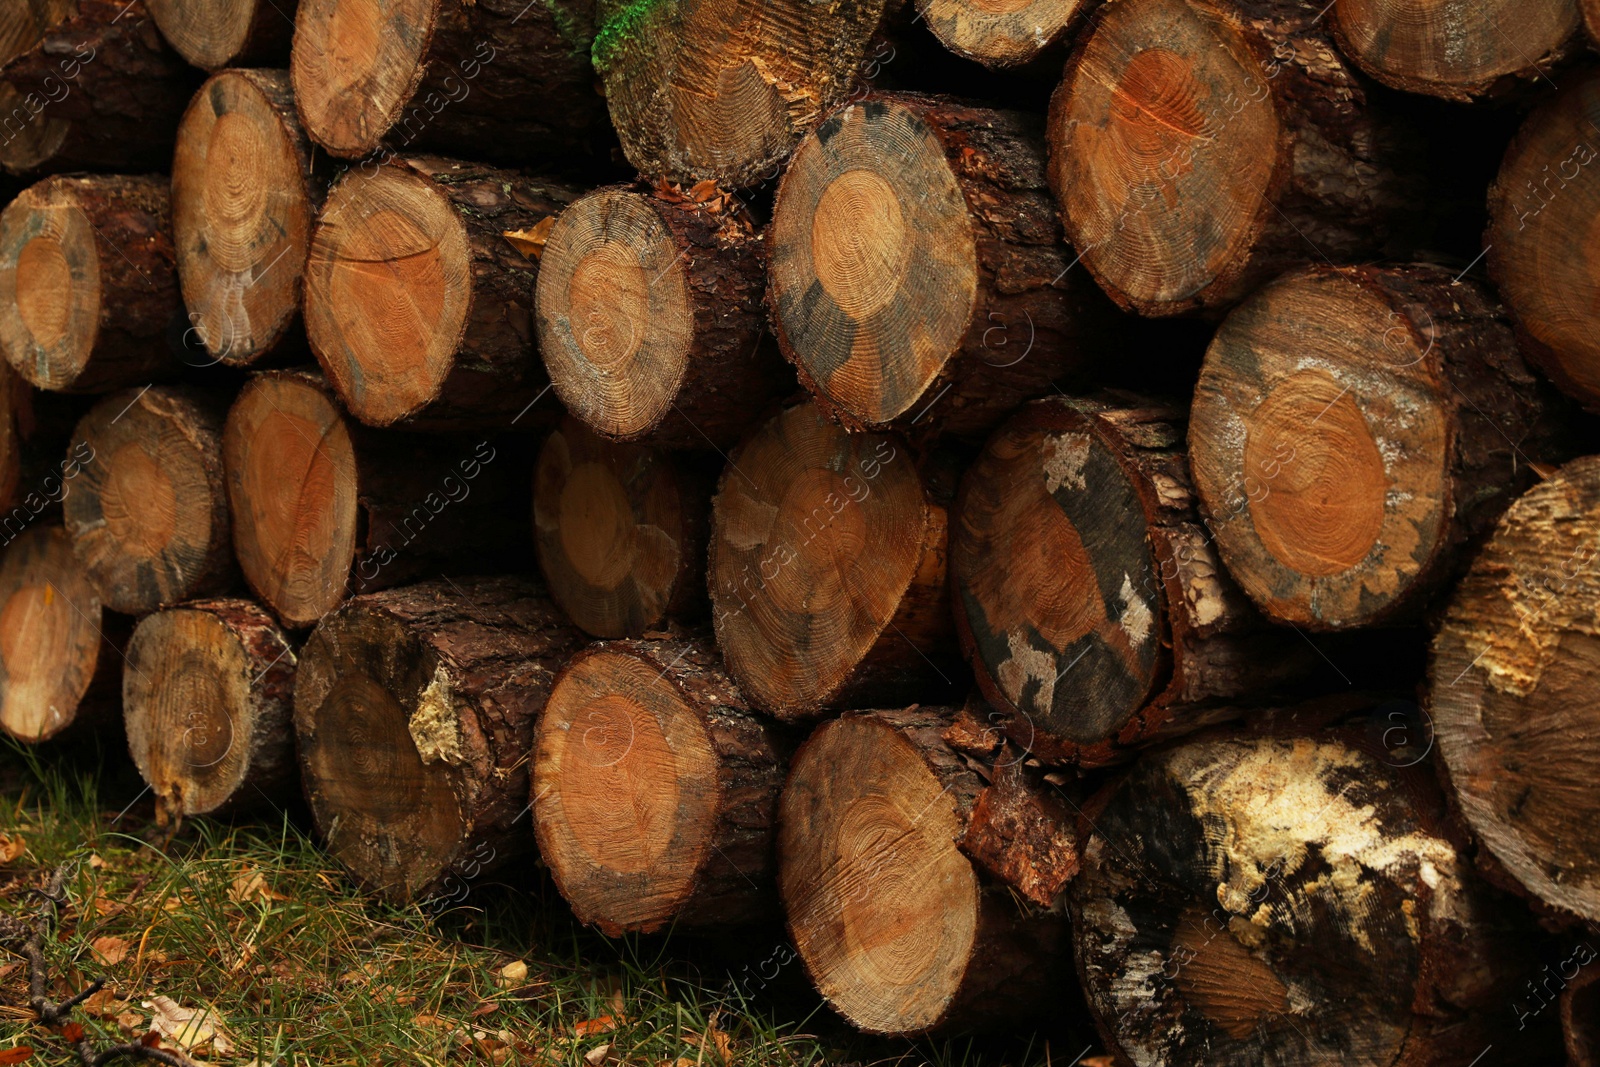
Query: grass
(251,926)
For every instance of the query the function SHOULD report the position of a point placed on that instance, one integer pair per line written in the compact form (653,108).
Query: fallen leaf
(72,1032)
(703,190)
(105,1005)
(1097,1061)
(589,1027)
(513,973)
(10,848)
(188,1028)
(130,1022)
(250,885)
(16,1054)
(108,951)
(530,242)
(597,1055)
(95,861)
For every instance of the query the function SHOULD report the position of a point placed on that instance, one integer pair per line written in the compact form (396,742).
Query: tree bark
(1089,598)
(418,306)
(101,90)
(1356,431)
(827,570)
(324,508)
(1200,148)
(414,711)
(148,517)
(1540,209)
(621,532)
(1293,899)
(898,929)
(919,279)
(650,319)
(656,729)
(1580,1010)
(213,34)
(60,661)
(1512,692)
(497,79)
(245,192)
(207,702)
(1004,35)
(88,291)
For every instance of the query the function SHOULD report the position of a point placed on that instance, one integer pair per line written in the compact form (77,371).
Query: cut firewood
(620,531)
(1200,148)
(498,79)
(1089,598)
(207,700)
(100,89)
(148,516)
(88,290)
(323,507)
(655,789)
(1292,900)
(650,319)
(414,710)
(722,90)
(213,34)
(1001,33)
(1456,49)
(244,195)
(23,24)
(1539,254)
(1512,682)
(827,570)
(919,280)
(898,929)
(417,305)
(57,665)
(1355,430)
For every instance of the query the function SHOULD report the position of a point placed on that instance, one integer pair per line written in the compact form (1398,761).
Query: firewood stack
(679,445)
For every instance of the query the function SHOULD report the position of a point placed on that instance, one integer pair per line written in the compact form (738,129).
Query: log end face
(355,64)
(208,33)
(49,635)
(1000,33)
(49,286)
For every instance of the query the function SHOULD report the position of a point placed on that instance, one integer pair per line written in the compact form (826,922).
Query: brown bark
(1355,432)
(655,727)
(100,91)
(414,711)
(898,929)
(1089,598)
(1199,148)
(207,702)
(418,305)
(1580,1009)
(919,278)
(88,290)
(213,34)
(650,318)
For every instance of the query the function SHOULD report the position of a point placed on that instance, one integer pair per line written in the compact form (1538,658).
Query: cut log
(897,928)
(1002,33)
(100,90)
(655,789)
(827,570)
(1198,149)
(1090,600)
(919,280)
(323,507)
(57,666)
(1541,208)
(724,90)
(88,290)
(650,319)
(621,532)
(1456,49)
(418,306)
(1291,900)
(503,79)
(1512,681)
(207,701)
(24,23)
(1354,432)
(148,516)
(213,34)
(244,195)
(414,709)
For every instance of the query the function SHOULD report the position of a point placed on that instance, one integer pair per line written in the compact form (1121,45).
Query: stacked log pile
(675,445)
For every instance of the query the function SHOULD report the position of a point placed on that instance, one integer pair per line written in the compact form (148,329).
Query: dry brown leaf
(105,1005)
(188,1028)
(130,1023)
(597,1055)
(95,861)
(109,951)
(589,1027)
(703,190)
(11,846)
(530,242)
(250,884)
(512,974)
(16,1054)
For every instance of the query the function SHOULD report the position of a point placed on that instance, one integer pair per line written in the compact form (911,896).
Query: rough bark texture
(213,34)
(88,287)
(418,306)
(656,727)
(414,710)
(1089,598)
(896,927)
(1199,148)
(919,279)
(1355,433)
(207,699)
(650,318)
(100,91)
